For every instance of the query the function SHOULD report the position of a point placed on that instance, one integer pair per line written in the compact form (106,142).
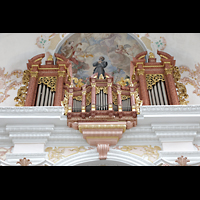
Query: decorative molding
(24,162)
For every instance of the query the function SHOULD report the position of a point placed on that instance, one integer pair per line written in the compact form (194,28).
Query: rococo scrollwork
(181,89)
(22,92)
(152,79)
(49,81)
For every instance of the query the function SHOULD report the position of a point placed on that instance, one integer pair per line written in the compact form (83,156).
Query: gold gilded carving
(124,82)
(151,55)
(101,77)
(125,97)
(58,153)
(105,90)
(181,89)
(65,102)
(152,79)
(78,82)
(78,98)
(140,71)
(88,98)
(22,91)
(114,98)
(49,81)
(50,58)
(138,102)
(143,150)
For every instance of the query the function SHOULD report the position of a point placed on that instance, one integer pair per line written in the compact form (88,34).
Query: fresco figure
(100,65)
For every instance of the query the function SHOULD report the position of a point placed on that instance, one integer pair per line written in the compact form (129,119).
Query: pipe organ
(151,83)
(102,110)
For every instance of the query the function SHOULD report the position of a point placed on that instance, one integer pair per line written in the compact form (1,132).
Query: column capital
(140,71)
(34,74)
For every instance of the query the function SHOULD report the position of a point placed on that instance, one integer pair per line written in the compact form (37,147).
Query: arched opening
(114,158)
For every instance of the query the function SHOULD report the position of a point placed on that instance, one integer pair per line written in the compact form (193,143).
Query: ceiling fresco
(84,49)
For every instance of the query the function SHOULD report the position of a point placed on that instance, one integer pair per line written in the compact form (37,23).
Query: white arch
(113,155)
(70,34)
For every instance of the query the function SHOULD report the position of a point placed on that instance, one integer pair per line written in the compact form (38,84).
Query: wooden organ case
(102,110)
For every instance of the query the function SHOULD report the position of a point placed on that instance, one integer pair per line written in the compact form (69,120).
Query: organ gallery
(100,99)
(112,107)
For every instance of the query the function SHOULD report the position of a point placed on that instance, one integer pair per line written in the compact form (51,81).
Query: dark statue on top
(100,65)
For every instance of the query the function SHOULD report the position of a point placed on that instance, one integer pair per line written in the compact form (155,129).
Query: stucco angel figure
(100,65)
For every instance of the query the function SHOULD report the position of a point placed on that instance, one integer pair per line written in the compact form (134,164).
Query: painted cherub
(68,50)
(125,50)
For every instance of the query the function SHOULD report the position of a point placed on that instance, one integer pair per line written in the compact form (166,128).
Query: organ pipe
(160,93)
(164,93)
(38,95)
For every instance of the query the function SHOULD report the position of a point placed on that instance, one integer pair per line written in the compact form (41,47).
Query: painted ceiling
(83,49)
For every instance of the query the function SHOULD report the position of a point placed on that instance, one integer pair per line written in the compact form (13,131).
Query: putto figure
(100,65)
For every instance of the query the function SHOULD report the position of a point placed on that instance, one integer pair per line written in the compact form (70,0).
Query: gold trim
(60,59)
(119,108)
(93,107)
(110,107)
(163,57)
(62,65)
(35,65)
(38,60)
(102,126)
(154,66)
(141,57)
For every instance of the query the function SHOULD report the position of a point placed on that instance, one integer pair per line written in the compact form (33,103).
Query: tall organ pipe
(38,95)
(164,93)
